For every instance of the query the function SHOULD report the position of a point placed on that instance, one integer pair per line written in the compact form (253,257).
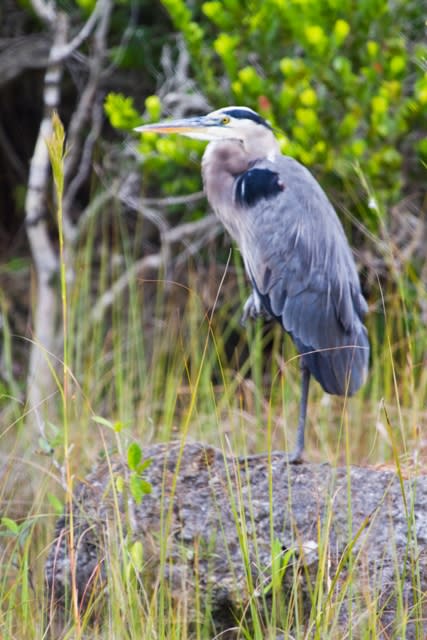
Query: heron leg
(296,454)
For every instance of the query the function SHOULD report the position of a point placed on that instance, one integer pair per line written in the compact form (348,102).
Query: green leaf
(134,456)
(103,421)
(137,555)
(341,30)
(397,65)
(10,524)
(121,112)
(87,5)
(154,107)
(279,564)
(144,465)
(315,36)
(138,487)
(55,503)
(308,97)
(120,484)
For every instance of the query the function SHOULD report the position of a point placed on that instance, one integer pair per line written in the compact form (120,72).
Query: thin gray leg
(296,454)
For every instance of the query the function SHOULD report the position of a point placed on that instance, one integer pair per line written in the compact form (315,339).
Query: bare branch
(32,51)
(93,208)
(179,93)
(85,105)
(193,248)
(45,10)
(191,229)
(35,208)
(151,214)
(121,46)
(101,11)
(84,168)
(173,200)
(26,52)
(152,262)
(45,334)
(207,227)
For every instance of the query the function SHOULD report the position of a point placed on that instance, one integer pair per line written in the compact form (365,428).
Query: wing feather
(301,265)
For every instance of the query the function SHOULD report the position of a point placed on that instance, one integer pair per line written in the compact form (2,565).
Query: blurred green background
(146,340)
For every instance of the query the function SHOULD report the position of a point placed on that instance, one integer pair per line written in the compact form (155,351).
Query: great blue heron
(293,245)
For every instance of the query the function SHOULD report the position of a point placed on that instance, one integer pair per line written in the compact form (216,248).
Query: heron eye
(225,120)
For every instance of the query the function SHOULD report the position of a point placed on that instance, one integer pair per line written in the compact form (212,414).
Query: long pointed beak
(183,126)
(200,127)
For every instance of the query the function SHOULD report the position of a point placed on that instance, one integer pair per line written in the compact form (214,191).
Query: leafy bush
(160,155)
(344,81)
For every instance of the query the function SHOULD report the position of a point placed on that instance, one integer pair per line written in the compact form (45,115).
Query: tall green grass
(169,360)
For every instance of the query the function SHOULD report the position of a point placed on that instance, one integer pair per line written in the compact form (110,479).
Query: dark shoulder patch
(255,184)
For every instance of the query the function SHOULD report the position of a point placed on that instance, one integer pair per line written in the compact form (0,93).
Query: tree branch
(179,93)
(156,261)
(80,155)
(39,381)
(45,11)
(171,201)
(100,12)
(96,204)
(148,263)
(26,52)
(83,169)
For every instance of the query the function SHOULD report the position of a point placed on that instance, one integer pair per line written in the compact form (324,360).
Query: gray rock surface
(323,521)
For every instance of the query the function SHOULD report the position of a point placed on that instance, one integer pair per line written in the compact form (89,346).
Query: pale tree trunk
(46,335)
(83,131)
(46,307)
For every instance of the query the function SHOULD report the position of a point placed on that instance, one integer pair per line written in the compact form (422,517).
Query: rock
(212,525)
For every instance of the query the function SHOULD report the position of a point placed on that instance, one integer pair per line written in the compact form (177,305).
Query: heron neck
(222,162)
(262,147)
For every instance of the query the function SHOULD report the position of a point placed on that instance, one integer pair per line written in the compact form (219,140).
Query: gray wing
(301,266)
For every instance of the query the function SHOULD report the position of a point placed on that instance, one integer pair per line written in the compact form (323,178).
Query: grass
(169,361)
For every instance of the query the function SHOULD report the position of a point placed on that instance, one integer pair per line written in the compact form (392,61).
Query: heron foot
(253,309)
(293,457)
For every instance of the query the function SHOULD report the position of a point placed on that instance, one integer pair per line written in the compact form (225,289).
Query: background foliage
(346,82)
(345,85)
(151,353)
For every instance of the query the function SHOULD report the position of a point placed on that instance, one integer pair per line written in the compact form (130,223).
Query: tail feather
(341,370)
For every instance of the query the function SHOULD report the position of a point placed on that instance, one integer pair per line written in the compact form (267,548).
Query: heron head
(229,123)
